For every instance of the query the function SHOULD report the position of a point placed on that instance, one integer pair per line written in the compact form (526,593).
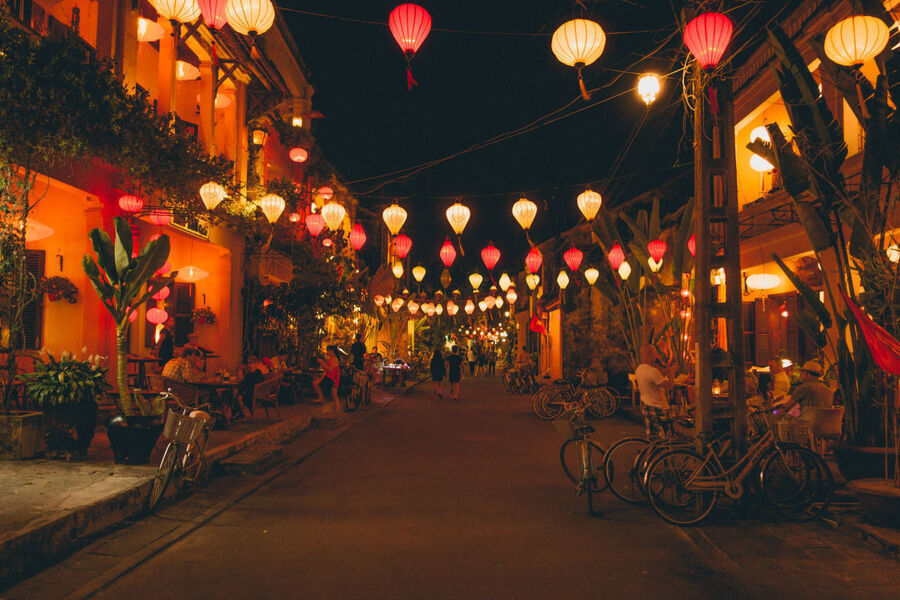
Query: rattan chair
(265,394)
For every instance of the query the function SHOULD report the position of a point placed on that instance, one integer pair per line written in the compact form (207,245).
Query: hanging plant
(59,288)
(203,315)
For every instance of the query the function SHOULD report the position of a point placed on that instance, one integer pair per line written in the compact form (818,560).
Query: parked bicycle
(358,391)
(581,457)
(550,401)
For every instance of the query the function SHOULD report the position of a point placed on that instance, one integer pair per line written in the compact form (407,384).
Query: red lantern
(132,315)
(157,316)
(213,12)
(707,37)
(616,257)
(130,203)
(692,244)
(657,248)
(357,237)
(298,155)
(327,242)
(315,222)
(448,253)
(162,294)
(533,260)
(402,245)
(573,258)
(410,25)
(163,270)
(490,255)
(160,216)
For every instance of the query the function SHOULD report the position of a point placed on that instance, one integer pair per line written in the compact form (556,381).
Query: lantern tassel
(581,86)
(410,81)
(713,100)
(215,55)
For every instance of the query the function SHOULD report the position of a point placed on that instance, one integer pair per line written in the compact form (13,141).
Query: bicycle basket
(566,423)
(758,423)
(182,428)
(792,430)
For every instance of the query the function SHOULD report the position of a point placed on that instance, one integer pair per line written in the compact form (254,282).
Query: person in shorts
(652,386)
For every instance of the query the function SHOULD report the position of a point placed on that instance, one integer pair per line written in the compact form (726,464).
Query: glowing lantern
(624,270)
(648,87)
(707,37)
(157,316)
(692,244)
(893,253)
(445,278)
(378,300)
(149,31)
(294,217)
(483,305)
(296,121)
(162,294)
(334,214)
(182,11)
(160,217)
(452,308)
(490,255)
(397,269)
(221,101)
(397,304)
(532,281)
(511,295)
(439,309)
(410,25)
(212,195)
(419,273)
(760,133)
(533,260)
(448,253)
(760,164)
(763,281)
(185,71)
(429,309)
(654,265)
(315,223)
(413,307)
(402,245)
(504,282)
(132,315)
(458,216)
(272,206)
(562,280)
(856,39)
(490,301)
(616,256)
(591,275)
(524,211)
(394,217)
(475,279)
(190,273)
(573,257)
(130,203)
(298,155)
(589,203)
(470,307)
(578,43)
(657,248)
(357,237)
(213,12)
(250,17)
(326,192)
(327,242)
(498,302)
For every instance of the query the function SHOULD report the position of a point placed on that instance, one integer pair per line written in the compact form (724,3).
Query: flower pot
(862,462)
(21,434)
(69,427)
(880,500)
(133,438)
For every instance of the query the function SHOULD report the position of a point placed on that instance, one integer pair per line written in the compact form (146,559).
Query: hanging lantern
(419,273)
(573,257)
(378,300)
(452,308)
(763,281)
(475,279)
(578,43)
(394,217)
(760,164)
(439,309)
(402,245)
(448,253)
(589,203)
(893,253)
(182,11)
(334,214)
(357,237)
(212,195)
(315,223)
(692,244)
(504,282)
(160,216)
(294,217)
(213,12)
(490,255)
(259,135)
(470,307)
(591,275)
(511,295)
(298,155)
(532,281)
(490,301)
(162,294)
(148,31)
(524,211)
(326,192)
(616,256)
(760,133)
(272,206)
(657,248)
(624,270)
(132,315)
(654,265)
(707,37)
(413,307)
(190,273)
(458,216)
(533,260)
(397,304)
(562,280)
(250,17)
(327,242)
(157,316)
(483,305)
(130,203)
(648,87)
(856,39)
(410,25)
(185,71)
(397,269)
(445,278)
(428,309)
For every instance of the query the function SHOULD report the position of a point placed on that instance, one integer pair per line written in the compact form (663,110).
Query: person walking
(330,380)
(492,362)
(472,357)
(358,352)
(454,371)
(438,370)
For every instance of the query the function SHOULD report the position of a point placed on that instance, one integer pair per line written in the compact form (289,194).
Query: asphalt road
(436,499)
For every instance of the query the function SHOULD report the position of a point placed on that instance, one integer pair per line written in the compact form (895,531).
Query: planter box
(21,434)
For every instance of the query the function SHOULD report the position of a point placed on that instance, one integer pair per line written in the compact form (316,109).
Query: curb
(883,540)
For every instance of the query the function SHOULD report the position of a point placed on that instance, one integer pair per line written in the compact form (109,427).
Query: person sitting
(254,372)
(652,386)
(810,393)
(781,381)
(187,368)
(330,380)
(165,345)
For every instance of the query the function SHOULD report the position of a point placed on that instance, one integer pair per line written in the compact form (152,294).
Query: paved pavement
(434,499)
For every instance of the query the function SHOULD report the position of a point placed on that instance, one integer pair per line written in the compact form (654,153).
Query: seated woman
(254,372)
(329,381)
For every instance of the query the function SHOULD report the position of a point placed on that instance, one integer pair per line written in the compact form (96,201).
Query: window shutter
(33,315)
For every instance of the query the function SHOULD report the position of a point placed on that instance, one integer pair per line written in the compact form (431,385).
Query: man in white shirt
(652,386)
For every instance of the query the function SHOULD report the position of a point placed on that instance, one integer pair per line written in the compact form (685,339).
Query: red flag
(536,325)
(885,348)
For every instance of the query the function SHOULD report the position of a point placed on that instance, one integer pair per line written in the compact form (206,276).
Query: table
(221,392)
(396,372)
(140,378)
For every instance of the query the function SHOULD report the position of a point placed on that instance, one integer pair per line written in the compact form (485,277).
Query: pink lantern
(132,315)
(164,269)
(490,255)
(162,294)
(707,37)
(326,192)
(357,237)
(616,257)
(410,24)
(315,223)
(533,260)
(573,257)
(402,245)
(130,203)
(298,155)
(160,216)
(657,248)
(448,253)
(692,244)
(213,12)
(157,316)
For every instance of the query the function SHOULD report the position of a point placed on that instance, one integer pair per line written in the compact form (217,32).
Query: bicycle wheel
(619,467)
(570,457)
(163,475)
(552,404)
(600,402)
(192,462)
(354,398)
(536,404)
(797,483)
(654,450)
(670,494)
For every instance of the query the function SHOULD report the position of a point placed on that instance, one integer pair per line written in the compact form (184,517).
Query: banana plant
(124,282)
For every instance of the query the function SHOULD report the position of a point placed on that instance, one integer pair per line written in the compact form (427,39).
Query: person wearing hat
(811,392)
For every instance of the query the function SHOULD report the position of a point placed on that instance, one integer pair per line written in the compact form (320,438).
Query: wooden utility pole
(718,247)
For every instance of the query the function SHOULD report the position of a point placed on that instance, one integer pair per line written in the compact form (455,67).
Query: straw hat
(813,367)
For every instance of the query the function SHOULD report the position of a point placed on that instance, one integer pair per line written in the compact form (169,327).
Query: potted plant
(59,288)
(204,315)
(123,283)
(66,389)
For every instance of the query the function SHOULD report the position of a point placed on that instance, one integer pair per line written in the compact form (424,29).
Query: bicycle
(581,457)
(550,401)
(360,392)
(188,435)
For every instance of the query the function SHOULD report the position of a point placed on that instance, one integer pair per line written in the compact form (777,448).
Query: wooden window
(180,306)
(33,315)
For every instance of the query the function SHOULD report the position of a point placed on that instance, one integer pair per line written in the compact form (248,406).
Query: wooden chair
(265,394)
(824,424)
(155,382)
(186,393)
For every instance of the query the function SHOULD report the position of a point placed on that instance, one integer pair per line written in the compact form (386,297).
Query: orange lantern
(298,155)
(160,217)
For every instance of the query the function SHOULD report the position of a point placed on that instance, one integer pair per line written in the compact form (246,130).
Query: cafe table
(221,394)
(141,362)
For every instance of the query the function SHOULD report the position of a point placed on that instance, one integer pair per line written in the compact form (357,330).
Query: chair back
(266,388)
(187,394)
(155,381)
(825,423)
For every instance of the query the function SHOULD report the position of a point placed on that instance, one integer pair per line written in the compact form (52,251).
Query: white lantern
(504,282)
(654,266)
(498,302)
(648,87)
(475,279)
(272,206)
(589,203)
(458,216)
(250,17)
(413,307)
(439,309)
(394,217)
(185,71)
(591,275)
(149,31)
(428,309)
(562,280)
(483,305)
(624,270)
(334,214)
(452,308)
(760,133)
(856,39)
(182,11)
(190,273)
(418,273)
(760,164)
(397,269)
(511,295)
(763,281)
(578,43)
(893,253)
(470,307)
(212,195)
(524,211)
(532,281)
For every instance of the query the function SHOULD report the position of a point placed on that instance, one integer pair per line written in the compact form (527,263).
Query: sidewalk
(49,506)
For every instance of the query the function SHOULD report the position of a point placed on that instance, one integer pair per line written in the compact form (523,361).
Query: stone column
(166,73)
(208,75)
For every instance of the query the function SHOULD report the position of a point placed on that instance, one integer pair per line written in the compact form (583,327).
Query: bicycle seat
(585,429)
(563,381)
